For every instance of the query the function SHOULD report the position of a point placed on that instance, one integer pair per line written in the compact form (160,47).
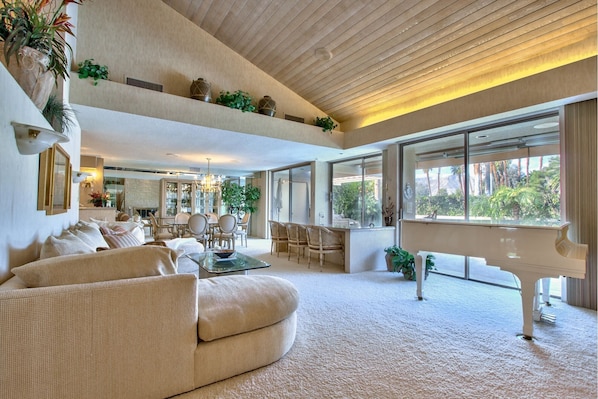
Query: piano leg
(546,291)
(420,273)
(528,292)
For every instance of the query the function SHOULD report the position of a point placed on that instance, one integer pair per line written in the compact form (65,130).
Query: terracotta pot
(389,265)
(30,69)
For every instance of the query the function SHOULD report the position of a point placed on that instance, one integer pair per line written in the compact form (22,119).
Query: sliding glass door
(291,190)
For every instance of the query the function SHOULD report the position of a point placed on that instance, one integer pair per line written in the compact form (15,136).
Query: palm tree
(508,201)
(458,171)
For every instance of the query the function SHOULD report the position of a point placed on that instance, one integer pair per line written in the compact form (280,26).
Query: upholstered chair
(227,227)
(242,227)
(323,241)
(160,231)
(198,228)
(278,235)
(297,236)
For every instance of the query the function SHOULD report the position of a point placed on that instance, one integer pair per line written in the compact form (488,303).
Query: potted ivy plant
(89,69)
(237,100)
(327,124)
(404,262)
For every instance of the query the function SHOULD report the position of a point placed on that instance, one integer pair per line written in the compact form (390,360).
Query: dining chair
(297,236)
(278,235)
(242,227)
(158,229)
(323,241)
(179,226)
(181,218)
(227,225)
(198,228)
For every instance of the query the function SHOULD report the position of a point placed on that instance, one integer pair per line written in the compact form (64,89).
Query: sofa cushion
(116,264)
(122,240)
(233,305)
(90,234)
(65,244)
(132,227)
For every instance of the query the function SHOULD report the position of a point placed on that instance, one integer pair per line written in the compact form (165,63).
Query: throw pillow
(115,264)
(122,240)
(89,234)
(66,244)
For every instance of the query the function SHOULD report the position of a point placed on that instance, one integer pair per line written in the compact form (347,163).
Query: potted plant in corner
(240,198)
(404,262)
(32,32)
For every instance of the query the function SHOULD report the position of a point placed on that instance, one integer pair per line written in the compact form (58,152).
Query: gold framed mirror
(54,188)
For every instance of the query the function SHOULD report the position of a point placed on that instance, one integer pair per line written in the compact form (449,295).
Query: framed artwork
(54,188)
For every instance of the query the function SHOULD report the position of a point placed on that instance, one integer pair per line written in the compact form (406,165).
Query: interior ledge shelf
(134,100)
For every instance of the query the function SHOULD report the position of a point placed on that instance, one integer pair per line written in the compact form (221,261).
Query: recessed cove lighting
(170,154)
(546,125)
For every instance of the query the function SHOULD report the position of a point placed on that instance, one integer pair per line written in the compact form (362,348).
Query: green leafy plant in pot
(89,69)
(237,100)
(240,198)
(404,262)
(327,124)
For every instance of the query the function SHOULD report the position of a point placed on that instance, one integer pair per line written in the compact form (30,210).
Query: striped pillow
(122,240)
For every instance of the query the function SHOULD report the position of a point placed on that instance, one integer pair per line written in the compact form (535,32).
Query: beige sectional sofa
(122,323)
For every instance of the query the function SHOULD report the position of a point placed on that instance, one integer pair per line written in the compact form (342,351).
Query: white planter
(30,70)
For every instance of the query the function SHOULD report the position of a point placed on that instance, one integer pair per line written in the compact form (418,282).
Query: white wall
(22,227)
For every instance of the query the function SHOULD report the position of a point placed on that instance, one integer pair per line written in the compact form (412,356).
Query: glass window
(508,174)
(434,179)
(514,173)
(357,192)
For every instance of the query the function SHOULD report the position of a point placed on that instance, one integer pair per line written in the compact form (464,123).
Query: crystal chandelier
(210,183)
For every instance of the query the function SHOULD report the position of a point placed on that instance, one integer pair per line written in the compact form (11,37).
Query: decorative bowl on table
(224,254)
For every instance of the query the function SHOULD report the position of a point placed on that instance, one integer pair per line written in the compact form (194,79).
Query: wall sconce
(33,140)
(78,177)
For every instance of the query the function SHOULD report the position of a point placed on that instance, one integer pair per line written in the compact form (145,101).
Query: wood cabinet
(177,195)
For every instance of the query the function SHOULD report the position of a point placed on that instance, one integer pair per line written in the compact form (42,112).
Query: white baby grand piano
(529,252)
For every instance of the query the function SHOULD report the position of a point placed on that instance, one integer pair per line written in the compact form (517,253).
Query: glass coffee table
(210,266)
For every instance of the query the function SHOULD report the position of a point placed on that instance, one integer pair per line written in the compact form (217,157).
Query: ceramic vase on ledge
(267,106)
(201,90)
(30,69)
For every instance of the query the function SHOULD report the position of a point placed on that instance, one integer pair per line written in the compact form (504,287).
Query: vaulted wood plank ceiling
(392,57)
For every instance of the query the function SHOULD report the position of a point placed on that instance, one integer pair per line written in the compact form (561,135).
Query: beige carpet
(366,336)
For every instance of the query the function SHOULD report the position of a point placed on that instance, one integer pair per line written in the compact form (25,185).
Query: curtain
(580,149)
